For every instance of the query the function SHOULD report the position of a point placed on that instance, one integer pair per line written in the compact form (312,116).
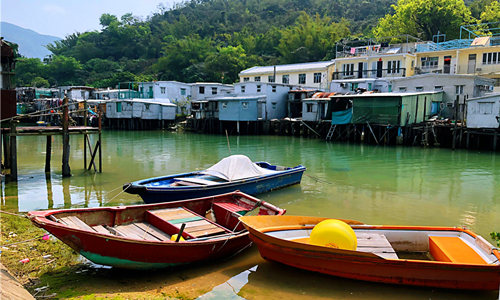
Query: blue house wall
(238,109)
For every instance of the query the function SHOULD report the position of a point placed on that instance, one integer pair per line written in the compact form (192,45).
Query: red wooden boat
(139,237)
(444,257)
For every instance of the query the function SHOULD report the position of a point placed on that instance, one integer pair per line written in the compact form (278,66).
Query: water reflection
(230,288)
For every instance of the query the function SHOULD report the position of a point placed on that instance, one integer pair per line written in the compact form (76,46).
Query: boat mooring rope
(13,214)
(317,179)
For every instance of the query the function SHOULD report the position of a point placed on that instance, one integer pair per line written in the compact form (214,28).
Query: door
(360,70)
(447,64)
(379,69)
(471,67)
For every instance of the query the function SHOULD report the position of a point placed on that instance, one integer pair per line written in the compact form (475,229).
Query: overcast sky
(63,17)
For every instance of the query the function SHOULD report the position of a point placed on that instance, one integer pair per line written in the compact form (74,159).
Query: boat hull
(251,186)
(131,252)
(369,267)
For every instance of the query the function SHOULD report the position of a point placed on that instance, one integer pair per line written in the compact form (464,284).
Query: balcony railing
(443,69)
(379,73)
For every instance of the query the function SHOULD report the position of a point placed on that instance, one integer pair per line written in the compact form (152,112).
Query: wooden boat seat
(170,220)
(375,243)
(75,222)
(231,207)
(453,249)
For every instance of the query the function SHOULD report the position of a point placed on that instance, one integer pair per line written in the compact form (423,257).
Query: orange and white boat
(444,257)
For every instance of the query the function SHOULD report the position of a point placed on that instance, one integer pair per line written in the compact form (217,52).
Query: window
(302,78)
(309,107)
(242,88)
(257,78)
(201,90)
(270,78)
(353,86)
(223,104)
(429,62)
(348,69)
(491,58)
(286,79)
(214,91)
(402,88)
(438,88)
(147,106)
(274,89)
(486,108)
(317,77)
(183,92)
(258,89)
(419,88)
(393,66)
(162,89)
(245,105)
(274,104)
(245,79)
(459,89)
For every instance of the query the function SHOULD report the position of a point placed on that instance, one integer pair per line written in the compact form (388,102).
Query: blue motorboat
(236,172)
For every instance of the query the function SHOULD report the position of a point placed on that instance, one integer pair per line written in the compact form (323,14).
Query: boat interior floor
(161,224)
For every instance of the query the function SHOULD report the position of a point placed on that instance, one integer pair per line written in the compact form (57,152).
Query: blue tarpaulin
(342,117)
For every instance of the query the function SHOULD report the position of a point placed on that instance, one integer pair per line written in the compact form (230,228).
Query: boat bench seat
(375,243)
(231,207)
(453,249)
(170,220)
(75,222)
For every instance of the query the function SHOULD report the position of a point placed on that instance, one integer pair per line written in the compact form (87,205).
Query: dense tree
(491,14)
(27,69)
(310,39)
(224,65)
(424,18)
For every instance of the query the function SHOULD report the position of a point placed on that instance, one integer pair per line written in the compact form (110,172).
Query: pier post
(495,137)
(6,150)
(100,141)
(48,154)
(13,150)
(66,170)
(455,127)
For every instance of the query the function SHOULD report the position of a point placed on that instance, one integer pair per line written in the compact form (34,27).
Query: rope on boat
(320,180)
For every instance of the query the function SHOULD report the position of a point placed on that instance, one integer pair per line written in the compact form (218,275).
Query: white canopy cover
(236,167)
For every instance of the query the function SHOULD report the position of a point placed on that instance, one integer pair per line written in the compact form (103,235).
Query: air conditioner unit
(479,69)
(343,84)
(423,59)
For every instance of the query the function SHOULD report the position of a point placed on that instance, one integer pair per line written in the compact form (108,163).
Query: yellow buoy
(174,238)
(334,233)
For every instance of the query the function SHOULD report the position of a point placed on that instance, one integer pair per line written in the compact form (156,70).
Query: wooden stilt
(495,137)
(48,154)
(100,142)
(13,150)
(66,170)
(468,137)
(6,151)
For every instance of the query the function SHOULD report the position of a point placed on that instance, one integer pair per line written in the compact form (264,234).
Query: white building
(483,112)
(308,75)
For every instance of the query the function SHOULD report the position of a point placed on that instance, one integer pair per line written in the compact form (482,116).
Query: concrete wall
(483,112)
(473,86)
(344,86)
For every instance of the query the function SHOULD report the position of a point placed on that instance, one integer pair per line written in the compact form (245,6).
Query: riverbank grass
(29,257)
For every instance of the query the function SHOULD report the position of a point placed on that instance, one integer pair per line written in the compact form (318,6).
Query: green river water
(371,184)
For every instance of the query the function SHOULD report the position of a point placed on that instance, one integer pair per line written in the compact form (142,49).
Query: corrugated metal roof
(319,65)
(322,95)
(395,94)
